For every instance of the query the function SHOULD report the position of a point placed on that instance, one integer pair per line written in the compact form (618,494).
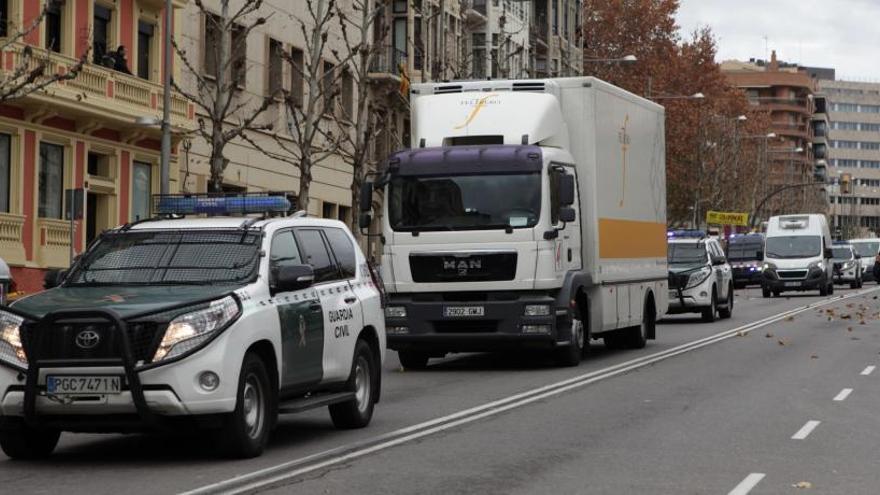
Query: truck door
(568,243)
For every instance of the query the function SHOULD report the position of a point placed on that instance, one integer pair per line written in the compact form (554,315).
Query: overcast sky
(843,34)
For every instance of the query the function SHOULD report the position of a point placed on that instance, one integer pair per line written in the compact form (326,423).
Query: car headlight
(189,330)
(11,348)
(699,276)
(816,265)
(768,267)
(395,311)
(848,265)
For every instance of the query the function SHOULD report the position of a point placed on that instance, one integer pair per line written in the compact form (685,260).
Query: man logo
(462,266)
(87,339)
(302,331)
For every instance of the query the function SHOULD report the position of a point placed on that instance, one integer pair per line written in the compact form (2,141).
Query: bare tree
(227,114)
(30,72)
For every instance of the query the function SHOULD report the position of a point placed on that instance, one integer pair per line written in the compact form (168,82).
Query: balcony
(98,93)
(54,242)
(798,105)
(475,11)
(388,64)
(11,235)
(795,130)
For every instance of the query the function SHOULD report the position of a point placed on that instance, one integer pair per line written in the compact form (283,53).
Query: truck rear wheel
(357,412)
(637,337)
(20,441)
(571,354)
(413,360)
(245,431)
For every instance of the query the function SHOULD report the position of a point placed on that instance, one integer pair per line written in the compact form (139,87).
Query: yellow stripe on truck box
(631,239)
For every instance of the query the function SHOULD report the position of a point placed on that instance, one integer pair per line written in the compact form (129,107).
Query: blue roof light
(233,205)
(685,234)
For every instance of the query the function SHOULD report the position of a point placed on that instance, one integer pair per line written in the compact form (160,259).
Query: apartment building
(556,48)
(786,91)
(80,133)
(853,154)
(498,39)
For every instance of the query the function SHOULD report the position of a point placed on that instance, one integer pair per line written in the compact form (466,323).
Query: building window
(297,82)
(101,36)
(5,171)
(51,180)
(238,54)
(328,210)
(4,17)
(327,86)
(141,187)
(399,6)
(347,96)
(53,20)
(276,50)
(212,41)
(145,45)
(237,51)
(98,165)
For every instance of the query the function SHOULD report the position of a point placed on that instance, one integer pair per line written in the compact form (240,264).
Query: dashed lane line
(843,395)
(805,430)
(867,371)
(746,485)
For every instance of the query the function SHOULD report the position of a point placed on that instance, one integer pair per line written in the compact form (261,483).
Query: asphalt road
(683,415)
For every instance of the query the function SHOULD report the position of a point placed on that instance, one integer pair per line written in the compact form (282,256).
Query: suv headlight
(189,330)
(699,276)
(11,348)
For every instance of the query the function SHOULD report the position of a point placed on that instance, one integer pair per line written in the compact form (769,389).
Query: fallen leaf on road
(789,318)
(781,342)
(741,334)
(814,356)
(849,329)
(845,317)
(803,485)
(769,335)
(855,338)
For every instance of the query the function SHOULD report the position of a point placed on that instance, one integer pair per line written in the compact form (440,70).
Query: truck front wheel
(413,360)
(571,354)
(19,441)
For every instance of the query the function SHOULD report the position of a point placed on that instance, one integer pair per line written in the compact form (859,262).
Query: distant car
(867,249)
(745,253)
(847,266)
(700,279)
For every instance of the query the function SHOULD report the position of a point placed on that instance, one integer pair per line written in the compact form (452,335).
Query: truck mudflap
(41,328)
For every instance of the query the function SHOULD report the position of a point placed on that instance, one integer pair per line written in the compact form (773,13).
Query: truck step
(313,402)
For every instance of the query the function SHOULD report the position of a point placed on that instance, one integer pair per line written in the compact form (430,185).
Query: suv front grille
(678,281)
(60,341)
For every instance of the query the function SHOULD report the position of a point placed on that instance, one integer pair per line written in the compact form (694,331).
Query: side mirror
(53,278)
(366,203)
(858,256)
(719,260)
(567,215)
(292,277)
(827,253)
(566,190)
(364,220)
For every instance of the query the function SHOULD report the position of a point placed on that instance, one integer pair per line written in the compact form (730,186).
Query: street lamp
(695,96)
(628,59)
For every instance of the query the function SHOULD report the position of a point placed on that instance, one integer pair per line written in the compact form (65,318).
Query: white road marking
(867,371)
(274,475)
(805,430)
(746,485)
(843,394)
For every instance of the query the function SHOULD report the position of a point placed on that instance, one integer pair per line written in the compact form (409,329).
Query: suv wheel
(20,441)
(727,310)
(765,292)
(413,360)
(710,312)
(363,381)
(245,432)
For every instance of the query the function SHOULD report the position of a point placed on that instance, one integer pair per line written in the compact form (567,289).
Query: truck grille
(60,342)
(476,267)
(465,326)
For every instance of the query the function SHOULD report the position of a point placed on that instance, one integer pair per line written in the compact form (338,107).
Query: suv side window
(343,249)
(284,250)
(316,254)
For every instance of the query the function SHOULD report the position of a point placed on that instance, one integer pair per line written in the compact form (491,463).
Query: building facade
(787,93)
(498,42)
(80,133)
(556,46)
(853,157)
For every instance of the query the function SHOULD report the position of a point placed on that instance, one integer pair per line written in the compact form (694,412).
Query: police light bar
(685,234)
(222,204)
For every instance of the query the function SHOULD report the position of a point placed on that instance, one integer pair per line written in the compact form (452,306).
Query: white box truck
(526,213)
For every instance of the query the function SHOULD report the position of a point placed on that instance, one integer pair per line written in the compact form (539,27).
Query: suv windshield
(745,251)
(794,246)
(680,253)
(866,249)
(841,253)
(170,258)
(464,202)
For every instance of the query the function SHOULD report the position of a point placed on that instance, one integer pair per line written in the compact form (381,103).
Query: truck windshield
(464,202)
(794,246)
(745,251)
(687,254)
(170,258)
(866,249)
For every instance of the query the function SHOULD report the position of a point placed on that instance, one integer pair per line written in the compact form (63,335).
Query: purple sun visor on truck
(463,160)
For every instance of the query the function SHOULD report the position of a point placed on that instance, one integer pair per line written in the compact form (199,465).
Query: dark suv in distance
(745,253)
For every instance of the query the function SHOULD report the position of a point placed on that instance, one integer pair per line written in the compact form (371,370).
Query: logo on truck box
(476,105)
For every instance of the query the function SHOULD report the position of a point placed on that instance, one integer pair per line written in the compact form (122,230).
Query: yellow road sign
(727,218)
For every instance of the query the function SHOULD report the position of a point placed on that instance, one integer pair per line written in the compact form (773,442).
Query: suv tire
(20,441)
(727,311)
(245,432)
(710,313)
(363,381)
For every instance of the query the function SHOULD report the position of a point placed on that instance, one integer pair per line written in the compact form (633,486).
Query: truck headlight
(395,311)
(698,277)
(189,330)
(537,310)
(11,348)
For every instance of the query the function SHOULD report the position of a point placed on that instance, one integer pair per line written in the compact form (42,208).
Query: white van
(797,255)
(867,249)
